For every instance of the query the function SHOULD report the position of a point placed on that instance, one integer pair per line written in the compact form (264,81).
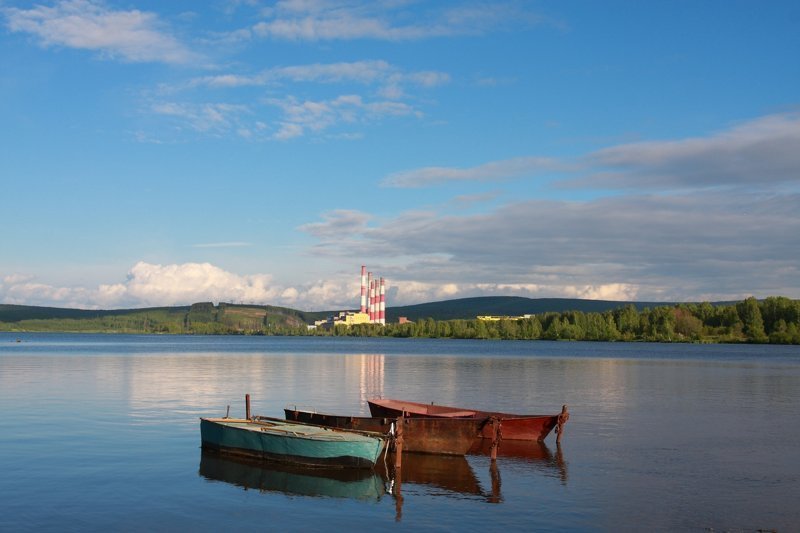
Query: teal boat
(274,439)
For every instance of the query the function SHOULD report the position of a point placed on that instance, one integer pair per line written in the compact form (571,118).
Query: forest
(774,320)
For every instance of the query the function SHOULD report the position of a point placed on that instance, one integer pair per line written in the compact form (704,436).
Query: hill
(466,308)
(240,315)
(198,318)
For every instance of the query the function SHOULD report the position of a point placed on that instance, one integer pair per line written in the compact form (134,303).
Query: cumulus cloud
(134,36)
(152,285)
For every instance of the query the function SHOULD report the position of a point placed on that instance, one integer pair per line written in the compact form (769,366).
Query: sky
(164,153)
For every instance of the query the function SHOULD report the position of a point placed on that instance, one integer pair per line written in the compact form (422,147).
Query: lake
(101,432)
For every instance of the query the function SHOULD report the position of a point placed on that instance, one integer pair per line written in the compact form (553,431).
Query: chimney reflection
(371,376)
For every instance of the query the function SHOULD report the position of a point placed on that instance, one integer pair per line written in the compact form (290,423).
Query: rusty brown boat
(512,426)
(446,436)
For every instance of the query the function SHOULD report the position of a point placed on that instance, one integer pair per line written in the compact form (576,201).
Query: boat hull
(280,441)
(420,435)
(512,426)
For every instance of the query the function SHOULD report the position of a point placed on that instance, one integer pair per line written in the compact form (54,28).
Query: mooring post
(562,420)
(398,446)
(247,406)
(494,473)
(495,437)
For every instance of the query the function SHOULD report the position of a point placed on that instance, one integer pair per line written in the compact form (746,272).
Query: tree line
(774,320)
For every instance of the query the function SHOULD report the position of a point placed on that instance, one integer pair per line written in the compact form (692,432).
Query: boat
(512,426)
(444,436)
(278,440)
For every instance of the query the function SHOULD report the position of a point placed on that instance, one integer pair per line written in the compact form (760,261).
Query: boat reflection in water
(450,473)
(438,475)
(353,483)
(535,454)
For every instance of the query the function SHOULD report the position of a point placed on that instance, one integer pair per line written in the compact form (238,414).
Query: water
(101,432)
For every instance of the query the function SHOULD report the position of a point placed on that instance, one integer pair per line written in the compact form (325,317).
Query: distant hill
(16,313)
(202,317)
(462,308)
(466,308)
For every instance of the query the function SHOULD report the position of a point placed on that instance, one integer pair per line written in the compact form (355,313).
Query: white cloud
(134,36)
(192,282)
(350,20)
(374,72)
(152,285)
(206,117)
(149,285)
(291,116)
(299,117)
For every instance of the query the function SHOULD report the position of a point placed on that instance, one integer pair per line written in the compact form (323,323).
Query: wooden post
(398,463)
(495,437)
(398,445)
(398,498)
(562,420)
(247,406)
(494,473)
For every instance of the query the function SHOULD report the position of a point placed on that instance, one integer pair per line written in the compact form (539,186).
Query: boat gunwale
(318,436)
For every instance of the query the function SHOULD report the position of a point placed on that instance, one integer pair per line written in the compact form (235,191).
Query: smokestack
(363,289)
(371,297)
(382,304)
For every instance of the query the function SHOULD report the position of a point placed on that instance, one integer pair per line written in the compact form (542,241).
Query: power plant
(376,290)
(373,304)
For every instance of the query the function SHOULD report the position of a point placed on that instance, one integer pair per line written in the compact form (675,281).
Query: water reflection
(536,454)
(434,475)
(352,483)
(371,376)
(452,474)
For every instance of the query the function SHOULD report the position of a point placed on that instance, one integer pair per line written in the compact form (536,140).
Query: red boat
(422,435)
(512,426)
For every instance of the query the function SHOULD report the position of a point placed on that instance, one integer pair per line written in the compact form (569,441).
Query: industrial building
(373,304)
(495,318)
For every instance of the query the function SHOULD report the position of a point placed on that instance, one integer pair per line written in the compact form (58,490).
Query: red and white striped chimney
(371,297)
(382,304)
(363,288)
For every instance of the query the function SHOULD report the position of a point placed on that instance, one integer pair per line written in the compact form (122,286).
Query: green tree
(750,315)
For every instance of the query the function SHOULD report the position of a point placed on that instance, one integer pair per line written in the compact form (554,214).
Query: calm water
(101,433)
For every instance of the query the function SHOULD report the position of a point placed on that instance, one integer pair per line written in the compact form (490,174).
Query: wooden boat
(421,435)
(512,426)
(277,440)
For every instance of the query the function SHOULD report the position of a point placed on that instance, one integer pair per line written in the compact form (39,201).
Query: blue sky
(164,153)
